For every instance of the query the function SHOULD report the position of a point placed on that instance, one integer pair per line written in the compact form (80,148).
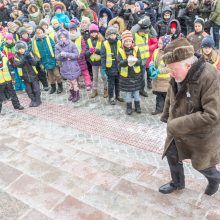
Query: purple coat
(69,67)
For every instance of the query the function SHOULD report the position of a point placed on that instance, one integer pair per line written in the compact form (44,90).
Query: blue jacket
(62,18)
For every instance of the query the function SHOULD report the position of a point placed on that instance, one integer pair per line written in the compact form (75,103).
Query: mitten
(154,74)
(91,50)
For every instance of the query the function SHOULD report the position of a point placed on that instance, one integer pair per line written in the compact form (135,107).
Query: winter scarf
(73,37)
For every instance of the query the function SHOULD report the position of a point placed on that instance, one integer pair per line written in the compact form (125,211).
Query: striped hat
(126,35)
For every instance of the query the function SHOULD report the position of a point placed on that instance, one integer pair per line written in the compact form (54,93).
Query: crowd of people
(120,42)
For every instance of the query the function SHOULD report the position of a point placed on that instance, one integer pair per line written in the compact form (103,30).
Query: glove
(152,68)
(91,50)
(154,74)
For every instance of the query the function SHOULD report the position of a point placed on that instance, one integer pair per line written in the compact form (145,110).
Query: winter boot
(53,89)
(119,99)
(129,108)
(105,94)
(112,101)
(72,94)
(20,107)
(76,96)
(94,93)
(137,106)
(37,101)
(32,103)
(60,88)
(143,93)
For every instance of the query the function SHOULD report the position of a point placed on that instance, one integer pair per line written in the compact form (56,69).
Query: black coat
(4,16)
(133,82)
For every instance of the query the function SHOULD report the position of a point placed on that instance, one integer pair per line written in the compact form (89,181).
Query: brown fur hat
(178,50)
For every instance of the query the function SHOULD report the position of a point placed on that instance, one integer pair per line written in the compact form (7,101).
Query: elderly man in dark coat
(192,113)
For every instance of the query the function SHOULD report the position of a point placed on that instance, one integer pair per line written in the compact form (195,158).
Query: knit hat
(59,5)
(9,36)
(20,44)
(93,28)
(12,26)
(200,21)
(173,24)
(208,42)
(18,22)
(85,19)
(43,22)
(111,30)
(141,4)
(55,22)
(74,23)
(145,24)
(22,31)
(166,39)
(126,35)
(178,50)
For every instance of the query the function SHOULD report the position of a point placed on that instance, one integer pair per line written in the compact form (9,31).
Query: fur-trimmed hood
(36,8)
(107,11)
(120,21)
(66,34)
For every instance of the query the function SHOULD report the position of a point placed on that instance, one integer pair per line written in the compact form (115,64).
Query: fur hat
(43,22)
(12,25)
(178,50)
(126,35)
(109,31)
(59,5)
(208,42)
(85,19)
(20,44)
(120,22)
(22,31)
(93,28)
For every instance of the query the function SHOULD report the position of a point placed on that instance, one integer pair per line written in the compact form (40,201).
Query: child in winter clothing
(34,13)
(84,27)
(76,37)
(6,84)
(67,54)
(160,74)
(47,12)
(44,48)
(56,26)
(195,38)
(48,29)
(9,50)
(109,64)
(13,28)
(93,50)
(23,34)
(131,80)
(26,63)
(175,29)
(209,53)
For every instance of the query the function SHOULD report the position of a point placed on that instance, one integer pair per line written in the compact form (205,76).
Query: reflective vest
(8,51)
(143,46)
(109,52)
(78,43)
(124,70)
(95,57)
(20,71)
(4,72)
(36,50)
(160,66)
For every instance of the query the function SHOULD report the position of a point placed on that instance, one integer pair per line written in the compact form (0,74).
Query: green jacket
(215,15)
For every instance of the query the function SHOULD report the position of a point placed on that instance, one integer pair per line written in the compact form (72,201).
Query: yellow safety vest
(160,66)
(95,57)
(20,71)
(36,50)
(4,72)
(124,70)
(143,46)
(52,35)
(109,52)
(78,43)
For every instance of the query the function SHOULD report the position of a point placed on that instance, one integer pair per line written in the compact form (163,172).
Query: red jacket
(153,44)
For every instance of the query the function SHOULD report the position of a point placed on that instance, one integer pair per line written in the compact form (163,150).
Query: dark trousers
(33,89)
(160,100)
(8,88)
(177,172)
(113,86)
(216,37)
(42,76)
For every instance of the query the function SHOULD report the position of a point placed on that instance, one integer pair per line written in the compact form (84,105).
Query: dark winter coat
(26,63)
(193,116)
(96,7)
(88,54)
(74,10)
(190,16)
(69,67)
(152,15)
(4,16)
(113,71)
(134,82)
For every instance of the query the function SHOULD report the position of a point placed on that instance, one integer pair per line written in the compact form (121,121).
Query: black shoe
(37,101)
(120,99)
(129,108)
(112,101)
(32,103)
(212,188)
(20,108)
(137,106)
(156,112)
(143,93)
(46,88)
(60,88)
(169,188)
(53,89)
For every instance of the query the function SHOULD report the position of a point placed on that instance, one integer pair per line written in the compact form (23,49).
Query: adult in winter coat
(34,13)
(67,54)
(215,18)
(105,15)
(164,3)
(149,11)
(192,113)
(95,6)
(4,14)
